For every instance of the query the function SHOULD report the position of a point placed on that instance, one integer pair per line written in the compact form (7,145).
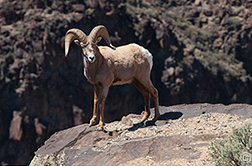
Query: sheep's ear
(77,42)
(98,39)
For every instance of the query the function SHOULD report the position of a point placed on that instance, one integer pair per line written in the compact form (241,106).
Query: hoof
(144,119)
(91,124)
(156,118)
(100,128)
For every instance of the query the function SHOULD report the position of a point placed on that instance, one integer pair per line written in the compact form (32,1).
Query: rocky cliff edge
(181,136)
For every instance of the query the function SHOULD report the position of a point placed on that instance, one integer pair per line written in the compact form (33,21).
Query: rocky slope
(180,137)
(202,53)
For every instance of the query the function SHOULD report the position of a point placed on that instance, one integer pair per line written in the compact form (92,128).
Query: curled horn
(73,34)
(100,31)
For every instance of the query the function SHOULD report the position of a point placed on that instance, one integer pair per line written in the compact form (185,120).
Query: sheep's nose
(91,58)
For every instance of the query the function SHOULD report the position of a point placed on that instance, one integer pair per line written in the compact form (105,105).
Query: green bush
(235,150)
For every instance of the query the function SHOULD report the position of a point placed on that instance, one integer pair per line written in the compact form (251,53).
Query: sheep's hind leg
(147,84)
(94,119)
(154,94)
(146,96)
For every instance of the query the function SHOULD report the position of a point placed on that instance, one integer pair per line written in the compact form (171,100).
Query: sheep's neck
(90,69)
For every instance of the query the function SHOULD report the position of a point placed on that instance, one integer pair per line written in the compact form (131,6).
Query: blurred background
(202,52)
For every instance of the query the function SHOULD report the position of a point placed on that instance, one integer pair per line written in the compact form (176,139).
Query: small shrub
(236,150)
(234,21)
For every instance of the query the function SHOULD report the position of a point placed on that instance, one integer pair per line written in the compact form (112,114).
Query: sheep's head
(88,43)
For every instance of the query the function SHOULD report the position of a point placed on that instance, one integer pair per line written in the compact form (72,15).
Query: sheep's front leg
(97,93)
(104,94)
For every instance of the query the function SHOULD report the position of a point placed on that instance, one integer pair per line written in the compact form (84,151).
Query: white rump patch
(148,55)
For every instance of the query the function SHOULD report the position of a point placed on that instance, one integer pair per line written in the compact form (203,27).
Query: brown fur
(125,64)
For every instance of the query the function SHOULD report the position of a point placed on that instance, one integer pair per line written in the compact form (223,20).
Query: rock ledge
(181,136)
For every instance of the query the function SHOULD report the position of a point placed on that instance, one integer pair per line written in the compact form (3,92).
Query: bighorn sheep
(106,66)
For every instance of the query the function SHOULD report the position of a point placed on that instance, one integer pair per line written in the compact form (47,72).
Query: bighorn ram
(106,66)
